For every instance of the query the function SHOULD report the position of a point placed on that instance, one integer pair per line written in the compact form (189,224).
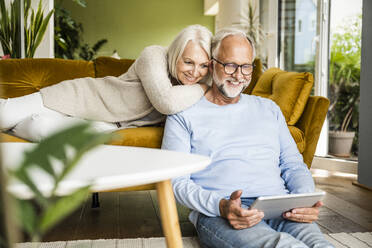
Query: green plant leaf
(13,29)
(62,208)
(5,45)
(22,174)
(52,146)
(345,75)
(87,141)
(60,42)
(48,210)
(27,7)
(98,45)
(78,137)
(38,18)
(82,3)
(5,23)
(41,31)
(27,215)
(4,26)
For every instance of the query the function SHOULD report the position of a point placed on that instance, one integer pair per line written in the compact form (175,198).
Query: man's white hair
(223,33)
(196,33)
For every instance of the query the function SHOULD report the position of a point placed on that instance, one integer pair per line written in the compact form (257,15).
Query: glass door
(303,41)
(297,34)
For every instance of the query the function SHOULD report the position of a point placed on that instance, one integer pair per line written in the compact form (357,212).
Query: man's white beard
(226,89)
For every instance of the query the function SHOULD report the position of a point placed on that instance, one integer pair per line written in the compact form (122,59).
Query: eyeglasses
(230,68)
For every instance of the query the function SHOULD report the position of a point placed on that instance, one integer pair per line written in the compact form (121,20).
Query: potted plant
(344,88)
(68,33)
(56,156)
(344,118)
(35,25)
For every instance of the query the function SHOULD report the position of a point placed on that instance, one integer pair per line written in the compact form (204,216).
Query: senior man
(252,152)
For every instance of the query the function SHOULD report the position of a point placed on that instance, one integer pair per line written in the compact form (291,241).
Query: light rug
(350,240)
(188,242)
(339,240)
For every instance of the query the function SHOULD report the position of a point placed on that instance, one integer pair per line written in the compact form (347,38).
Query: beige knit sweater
(130,97)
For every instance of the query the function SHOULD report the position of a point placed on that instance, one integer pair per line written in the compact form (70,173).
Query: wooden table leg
(168,213)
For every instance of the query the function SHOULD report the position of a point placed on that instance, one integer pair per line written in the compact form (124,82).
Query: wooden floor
(348,208)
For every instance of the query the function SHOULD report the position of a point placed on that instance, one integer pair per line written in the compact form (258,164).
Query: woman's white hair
(196,33)
(223,33)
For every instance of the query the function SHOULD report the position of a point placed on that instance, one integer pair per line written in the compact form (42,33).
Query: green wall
(131,25)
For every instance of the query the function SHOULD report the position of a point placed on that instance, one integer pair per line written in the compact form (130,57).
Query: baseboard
(361,185)
(335,165)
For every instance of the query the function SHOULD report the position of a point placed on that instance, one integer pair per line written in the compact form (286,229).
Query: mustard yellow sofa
(304,114)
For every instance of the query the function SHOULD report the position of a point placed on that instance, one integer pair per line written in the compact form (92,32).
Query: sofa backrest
(256,74)
(20,77)
(108,66)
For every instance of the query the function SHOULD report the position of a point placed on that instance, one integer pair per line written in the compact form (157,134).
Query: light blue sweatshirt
(251,149)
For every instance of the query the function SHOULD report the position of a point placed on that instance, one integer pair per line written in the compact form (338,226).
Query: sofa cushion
(150,137)
(108,66)
(20,77)
(290,90)
(299,138)
(10,138)
(141,136)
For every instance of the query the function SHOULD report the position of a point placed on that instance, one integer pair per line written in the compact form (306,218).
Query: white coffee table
(113,167)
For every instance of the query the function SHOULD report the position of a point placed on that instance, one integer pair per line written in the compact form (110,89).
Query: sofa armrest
(311,123)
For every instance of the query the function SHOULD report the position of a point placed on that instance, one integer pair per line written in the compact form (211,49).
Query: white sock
(15,110)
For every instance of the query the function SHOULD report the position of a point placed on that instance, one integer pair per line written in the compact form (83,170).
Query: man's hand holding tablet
(305,215)
(294,207)
(238,217)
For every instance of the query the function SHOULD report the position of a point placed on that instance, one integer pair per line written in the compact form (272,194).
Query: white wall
(269,21)
(211,7)
(232,12)
(235,12)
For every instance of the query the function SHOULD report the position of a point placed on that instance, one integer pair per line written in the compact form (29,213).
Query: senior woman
(160,82)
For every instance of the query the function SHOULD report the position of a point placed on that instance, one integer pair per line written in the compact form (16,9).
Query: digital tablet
(274,206)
